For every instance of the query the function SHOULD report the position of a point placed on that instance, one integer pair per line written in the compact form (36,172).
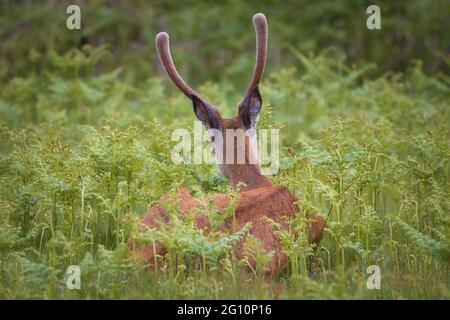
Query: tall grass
(84,155)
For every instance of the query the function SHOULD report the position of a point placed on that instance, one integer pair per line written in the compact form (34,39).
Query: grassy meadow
(86,119)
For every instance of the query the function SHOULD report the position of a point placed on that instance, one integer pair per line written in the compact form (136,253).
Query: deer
(259,198)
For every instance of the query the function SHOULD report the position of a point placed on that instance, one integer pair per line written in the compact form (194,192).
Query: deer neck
(249,175)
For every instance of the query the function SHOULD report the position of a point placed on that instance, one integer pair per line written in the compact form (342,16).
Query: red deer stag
(258,197)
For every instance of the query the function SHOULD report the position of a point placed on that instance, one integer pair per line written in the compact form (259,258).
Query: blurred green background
(214,41)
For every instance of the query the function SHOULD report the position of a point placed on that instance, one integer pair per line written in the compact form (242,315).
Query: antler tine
(261,29)
(163,48)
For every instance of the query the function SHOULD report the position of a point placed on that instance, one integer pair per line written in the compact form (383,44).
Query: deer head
(235,138)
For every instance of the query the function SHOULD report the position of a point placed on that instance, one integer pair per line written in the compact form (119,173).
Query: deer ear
(207,114)
(249,110)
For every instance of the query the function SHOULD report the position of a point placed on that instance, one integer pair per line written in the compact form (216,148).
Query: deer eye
(213,139)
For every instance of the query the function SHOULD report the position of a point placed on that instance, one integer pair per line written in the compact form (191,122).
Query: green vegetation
(85,140)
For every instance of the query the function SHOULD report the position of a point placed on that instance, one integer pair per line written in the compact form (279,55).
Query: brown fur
(274,202)
(259,198)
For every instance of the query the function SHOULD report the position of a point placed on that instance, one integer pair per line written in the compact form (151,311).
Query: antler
(261,29)
(163,48)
